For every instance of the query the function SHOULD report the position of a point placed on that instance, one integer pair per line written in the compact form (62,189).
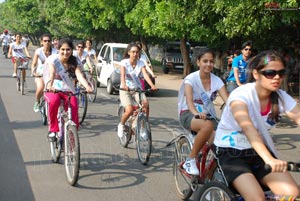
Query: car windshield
(118,53)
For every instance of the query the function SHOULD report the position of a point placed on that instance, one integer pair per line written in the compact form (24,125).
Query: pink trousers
(53,100)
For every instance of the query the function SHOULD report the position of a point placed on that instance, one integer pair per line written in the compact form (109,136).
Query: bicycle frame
(22,66)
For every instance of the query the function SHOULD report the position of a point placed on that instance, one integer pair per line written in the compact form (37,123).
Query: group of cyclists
(242,143)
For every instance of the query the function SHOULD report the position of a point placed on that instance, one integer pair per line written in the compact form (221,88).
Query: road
(107,171)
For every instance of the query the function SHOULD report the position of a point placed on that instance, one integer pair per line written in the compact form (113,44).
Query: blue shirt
(241,65)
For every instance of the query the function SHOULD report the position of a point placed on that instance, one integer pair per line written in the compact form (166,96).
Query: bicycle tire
(143,139)
(22,82)
(82,106)
(55,149)
(92,96)
(214,191)
(182,151)
(72,154)
(43,111)
(18,84)
(124,141)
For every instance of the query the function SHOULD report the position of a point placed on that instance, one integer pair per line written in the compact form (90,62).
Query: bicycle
(93,84)
(22,66)
(210,184)
(5,49)
(139,126)
(185,183)
(215,190)
(67,140)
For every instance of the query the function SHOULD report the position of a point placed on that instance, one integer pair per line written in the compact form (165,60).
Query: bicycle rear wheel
(93,84)
(214,191)
(124,141)
(143,139)
(72,154)
(182,181)
(82,106)
(55,149)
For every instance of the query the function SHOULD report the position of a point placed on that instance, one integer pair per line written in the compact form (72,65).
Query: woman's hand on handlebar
(200,115)
(154,88)
(89,89)
(277,165)
(51,89)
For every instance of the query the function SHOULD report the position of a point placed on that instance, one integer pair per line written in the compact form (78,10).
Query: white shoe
(14,75)
(190,166)
(120,130)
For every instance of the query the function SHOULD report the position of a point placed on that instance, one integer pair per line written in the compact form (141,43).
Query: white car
(108,67)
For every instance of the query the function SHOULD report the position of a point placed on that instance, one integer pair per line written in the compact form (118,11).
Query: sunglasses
(270,74)
(80,46)
(47,41)
(247,49)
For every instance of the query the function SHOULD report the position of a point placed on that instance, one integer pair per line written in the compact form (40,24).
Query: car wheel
(109,88)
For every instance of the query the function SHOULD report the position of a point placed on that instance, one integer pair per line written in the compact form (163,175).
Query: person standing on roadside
(37,67)
(17,50)
(238,73)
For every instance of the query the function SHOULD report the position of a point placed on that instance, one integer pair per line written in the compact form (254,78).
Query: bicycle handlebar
(291,166)
(66,92)
(138,90)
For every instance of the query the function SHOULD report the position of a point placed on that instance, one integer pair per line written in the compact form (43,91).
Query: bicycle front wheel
(182,181)
(125,139)
(143,139)
(72,154)
(22,81)
(214,191)
(93,84)
(55,149)
(82,106)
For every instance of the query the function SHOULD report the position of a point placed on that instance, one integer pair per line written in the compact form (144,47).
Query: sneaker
(14,75)
(120,130)
(36,107)
(51,136)
(144,135)
(190,166)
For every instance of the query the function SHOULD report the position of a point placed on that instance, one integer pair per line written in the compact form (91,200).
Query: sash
(206,101)
(260,123)
(64,75)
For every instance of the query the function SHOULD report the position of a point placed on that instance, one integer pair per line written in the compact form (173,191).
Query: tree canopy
(218,24)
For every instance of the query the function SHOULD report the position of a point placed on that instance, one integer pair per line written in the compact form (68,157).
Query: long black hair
(72,61)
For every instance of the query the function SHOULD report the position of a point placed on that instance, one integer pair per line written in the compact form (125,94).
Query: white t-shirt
(58,83)
(18,50)
(5,39)
(193,80)
(42,58)
(132,74)
(229,133)
(91,53)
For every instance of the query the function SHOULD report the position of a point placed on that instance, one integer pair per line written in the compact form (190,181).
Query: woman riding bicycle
(243,143)
(37,67)
(59,72)
(195,97)
(131,68)
(16,51)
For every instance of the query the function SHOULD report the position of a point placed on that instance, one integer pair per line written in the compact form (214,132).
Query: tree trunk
(144,46)
(186,57)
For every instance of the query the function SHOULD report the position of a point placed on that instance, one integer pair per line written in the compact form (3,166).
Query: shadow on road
(14,182)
